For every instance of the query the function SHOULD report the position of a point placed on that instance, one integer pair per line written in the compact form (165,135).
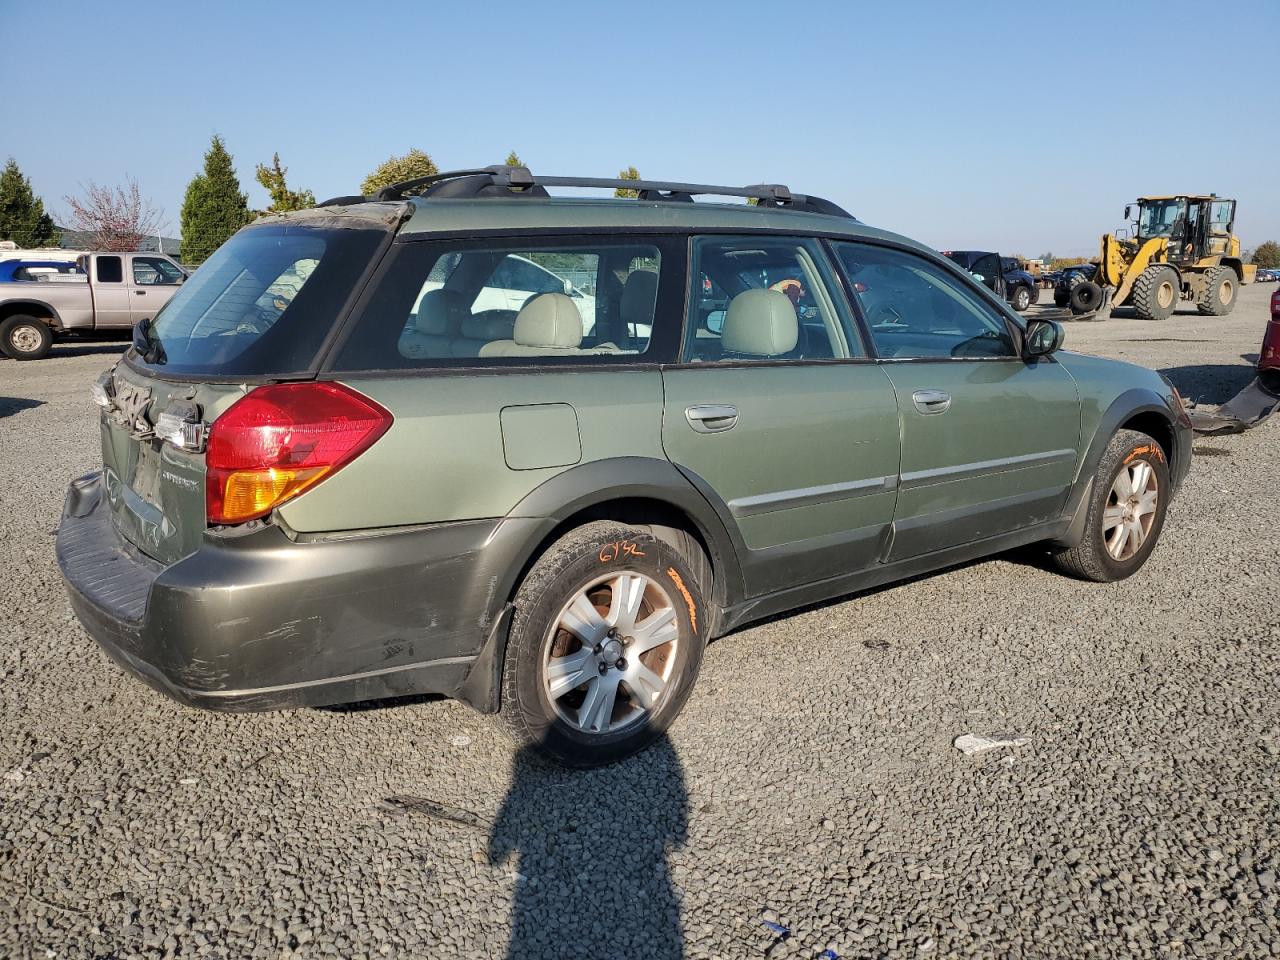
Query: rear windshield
(262,304)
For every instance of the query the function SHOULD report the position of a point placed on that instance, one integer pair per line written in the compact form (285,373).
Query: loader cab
(1195,227)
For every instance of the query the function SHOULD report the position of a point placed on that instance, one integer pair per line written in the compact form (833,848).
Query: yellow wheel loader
(1179,248)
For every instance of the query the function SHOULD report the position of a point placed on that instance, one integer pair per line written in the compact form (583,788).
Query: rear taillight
(280,440)
(1275,305)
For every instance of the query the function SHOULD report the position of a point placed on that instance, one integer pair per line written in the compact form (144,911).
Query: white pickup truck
(105,292)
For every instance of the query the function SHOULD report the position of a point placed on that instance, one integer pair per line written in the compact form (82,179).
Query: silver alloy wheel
(25,339)
(1130,510)
(610,652)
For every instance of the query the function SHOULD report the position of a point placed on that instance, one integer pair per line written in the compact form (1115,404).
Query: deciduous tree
(22,216)
(215,207)
(1267,255)
(116,218)
(394,169)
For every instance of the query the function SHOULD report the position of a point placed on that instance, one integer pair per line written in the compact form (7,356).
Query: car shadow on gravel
(387,703)
(11,405)
(88,349)
(1214,383)
(591,847)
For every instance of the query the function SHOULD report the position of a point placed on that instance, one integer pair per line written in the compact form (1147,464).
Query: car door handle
(711,417)
(139,293)
(932,401)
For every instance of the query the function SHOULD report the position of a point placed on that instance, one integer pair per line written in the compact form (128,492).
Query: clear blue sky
(1022,128)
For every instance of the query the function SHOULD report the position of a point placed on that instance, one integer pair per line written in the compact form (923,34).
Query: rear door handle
(139,293)
(711,417)
(932,401)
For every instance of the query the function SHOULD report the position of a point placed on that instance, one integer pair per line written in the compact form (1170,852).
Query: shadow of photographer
(591,852)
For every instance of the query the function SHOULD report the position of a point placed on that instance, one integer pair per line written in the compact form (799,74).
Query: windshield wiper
(147,344)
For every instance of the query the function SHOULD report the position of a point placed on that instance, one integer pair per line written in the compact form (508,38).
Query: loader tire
(1086,297)
(1155,293)
(1219,294)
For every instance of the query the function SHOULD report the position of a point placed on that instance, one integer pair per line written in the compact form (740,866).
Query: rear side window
(452,303)
(263,303)
(110,270)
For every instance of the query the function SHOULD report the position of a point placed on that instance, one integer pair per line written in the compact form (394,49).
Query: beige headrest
(441,313)
(548,320)
(639,297)
(760,323)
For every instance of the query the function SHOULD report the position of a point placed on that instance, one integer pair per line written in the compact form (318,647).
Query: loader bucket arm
(1127,274)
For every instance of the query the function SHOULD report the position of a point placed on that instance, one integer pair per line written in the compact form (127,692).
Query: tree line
(213,208)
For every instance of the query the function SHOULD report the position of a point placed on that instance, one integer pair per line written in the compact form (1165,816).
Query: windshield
(262,304)
(1159,217)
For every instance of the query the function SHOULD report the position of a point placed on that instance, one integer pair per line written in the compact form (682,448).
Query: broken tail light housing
(282,439)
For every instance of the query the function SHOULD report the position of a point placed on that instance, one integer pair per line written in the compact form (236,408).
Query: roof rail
(504,181)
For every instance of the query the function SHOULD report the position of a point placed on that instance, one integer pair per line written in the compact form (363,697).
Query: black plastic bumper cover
(256,621)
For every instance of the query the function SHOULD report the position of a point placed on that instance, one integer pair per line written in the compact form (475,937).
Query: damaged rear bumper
(257,621)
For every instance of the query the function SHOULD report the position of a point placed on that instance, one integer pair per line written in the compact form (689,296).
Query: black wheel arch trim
(521,535)
(1132,403)
(20,305)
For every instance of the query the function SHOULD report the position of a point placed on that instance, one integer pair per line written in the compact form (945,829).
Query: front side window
(154,271)
(915,309)
(589,300)
(764,298)
(1160,217)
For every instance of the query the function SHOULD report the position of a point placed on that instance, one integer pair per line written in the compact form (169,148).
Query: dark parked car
(1070,276)
(1004,276)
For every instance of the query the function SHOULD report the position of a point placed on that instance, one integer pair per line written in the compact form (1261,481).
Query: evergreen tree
(215,207)
(282,198)
(513,160)
(22,216)
(413,164)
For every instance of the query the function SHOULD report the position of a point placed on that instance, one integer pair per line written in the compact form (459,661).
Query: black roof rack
(504,181)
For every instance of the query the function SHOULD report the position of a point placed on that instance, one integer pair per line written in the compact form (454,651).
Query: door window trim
(1012,324)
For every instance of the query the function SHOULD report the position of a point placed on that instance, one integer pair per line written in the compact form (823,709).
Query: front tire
(1219,294)
(1126,511)
(25,338)
(1155,293)
(605,644)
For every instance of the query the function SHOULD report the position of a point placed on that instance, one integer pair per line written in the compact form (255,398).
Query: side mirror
(1042,338)
(568,289)
(1127,208)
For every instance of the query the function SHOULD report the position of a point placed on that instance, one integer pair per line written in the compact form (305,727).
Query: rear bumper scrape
(257,621)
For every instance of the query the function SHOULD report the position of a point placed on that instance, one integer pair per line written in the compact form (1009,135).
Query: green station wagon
(355,458)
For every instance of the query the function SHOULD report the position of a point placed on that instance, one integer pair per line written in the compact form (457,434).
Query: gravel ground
(811,782)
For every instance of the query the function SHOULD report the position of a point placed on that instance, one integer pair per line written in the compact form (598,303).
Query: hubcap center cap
(611,652)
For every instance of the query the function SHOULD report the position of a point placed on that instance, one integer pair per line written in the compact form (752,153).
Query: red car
(1269,356)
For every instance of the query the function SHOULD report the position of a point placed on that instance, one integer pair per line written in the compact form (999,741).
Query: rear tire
(1155,293)
(1219,294)
(1134,507)
(1021,298)
(25,338)
(572,687)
